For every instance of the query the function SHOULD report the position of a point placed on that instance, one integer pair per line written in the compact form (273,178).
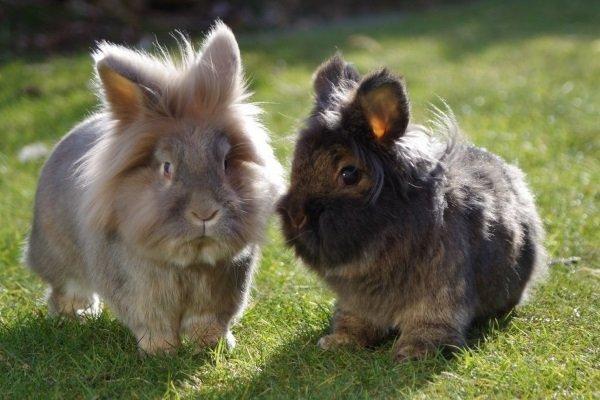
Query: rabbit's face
(329,196)
(187,202)
(336,203)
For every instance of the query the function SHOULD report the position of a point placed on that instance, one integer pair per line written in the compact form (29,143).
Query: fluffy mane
(147,95)
(422,153)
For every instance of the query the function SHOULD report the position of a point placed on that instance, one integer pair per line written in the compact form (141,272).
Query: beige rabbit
(158,203)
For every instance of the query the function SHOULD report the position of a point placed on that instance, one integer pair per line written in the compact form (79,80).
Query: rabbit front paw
(205,331)
(335,340)
(412,350)
(426,344)
(153,344)
(72,301)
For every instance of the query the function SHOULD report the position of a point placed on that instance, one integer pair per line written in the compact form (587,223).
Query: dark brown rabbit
(416,231)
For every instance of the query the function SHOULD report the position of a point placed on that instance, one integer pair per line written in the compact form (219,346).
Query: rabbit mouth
(315,252)
(199,240)
(323,244)
(305,242)
(203,250)
(198,243)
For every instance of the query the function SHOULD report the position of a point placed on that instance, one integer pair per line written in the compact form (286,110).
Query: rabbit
(418,233)
(157,204)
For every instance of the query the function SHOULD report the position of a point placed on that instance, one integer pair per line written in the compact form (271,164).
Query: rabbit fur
(416,231)
(157,204)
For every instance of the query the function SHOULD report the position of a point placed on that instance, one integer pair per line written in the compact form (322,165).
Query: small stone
(33,152)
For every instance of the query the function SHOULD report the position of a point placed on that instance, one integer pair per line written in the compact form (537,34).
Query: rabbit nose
(298,220)
(200,217)
(292,211)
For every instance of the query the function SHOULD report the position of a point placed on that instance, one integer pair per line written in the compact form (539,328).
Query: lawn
(524,81)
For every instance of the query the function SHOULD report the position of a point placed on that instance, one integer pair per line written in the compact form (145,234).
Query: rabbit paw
(92,310)
(412,350)
(417,348)
(230,340)
(155,345)
(73,302)
(205,332)
(335,340)
(211,340)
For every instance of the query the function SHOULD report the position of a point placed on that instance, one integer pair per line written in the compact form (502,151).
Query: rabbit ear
(383,102)
(129,80)
(331,75)
(218,72)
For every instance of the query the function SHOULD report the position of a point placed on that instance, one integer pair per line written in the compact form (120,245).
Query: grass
(523,79)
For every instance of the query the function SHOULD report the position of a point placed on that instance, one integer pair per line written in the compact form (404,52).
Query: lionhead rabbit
(158,202)
(416,233)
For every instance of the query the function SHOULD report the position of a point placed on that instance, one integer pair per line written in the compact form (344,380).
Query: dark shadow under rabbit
(77,358)
(414,229)
(308,371)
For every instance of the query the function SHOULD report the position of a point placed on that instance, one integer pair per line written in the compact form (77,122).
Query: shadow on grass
(41,357)
(299,369)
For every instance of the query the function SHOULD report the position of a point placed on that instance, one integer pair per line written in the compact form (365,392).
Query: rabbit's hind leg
(73,299)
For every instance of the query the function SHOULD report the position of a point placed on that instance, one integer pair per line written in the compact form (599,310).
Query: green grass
(524,81)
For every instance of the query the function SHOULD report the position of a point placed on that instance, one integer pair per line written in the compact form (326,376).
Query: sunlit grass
(523,79)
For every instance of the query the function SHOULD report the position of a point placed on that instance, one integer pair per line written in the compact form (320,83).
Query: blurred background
(47,26)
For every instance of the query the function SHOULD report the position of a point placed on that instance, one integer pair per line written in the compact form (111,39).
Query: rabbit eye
(350,175)
(225,163)
(167,170)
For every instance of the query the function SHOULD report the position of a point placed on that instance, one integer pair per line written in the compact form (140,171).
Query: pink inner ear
(378,126)
(124,97)
(380,109)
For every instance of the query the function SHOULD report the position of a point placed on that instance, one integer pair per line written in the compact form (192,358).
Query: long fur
(434,235)
(158,203)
